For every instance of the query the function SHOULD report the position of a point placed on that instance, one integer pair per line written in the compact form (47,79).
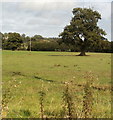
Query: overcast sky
(47,17)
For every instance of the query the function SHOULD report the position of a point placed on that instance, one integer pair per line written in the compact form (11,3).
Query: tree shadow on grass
(82,55)
(67,55)
(61,55)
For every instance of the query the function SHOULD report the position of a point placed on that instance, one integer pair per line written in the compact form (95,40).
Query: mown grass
(26,73)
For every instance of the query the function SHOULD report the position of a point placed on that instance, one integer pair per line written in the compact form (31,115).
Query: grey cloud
(47,19)
(19,19)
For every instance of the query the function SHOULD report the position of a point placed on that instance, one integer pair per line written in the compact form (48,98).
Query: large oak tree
(83,30)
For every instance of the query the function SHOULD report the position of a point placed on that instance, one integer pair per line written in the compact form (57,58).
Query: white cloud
(39,1)
(48,5)
(44,1)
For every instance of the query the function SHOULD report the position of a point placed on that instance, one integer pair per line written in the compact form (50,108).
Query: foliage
(12,41)
(83,30)
(36,37)
(39,43)
(44,46)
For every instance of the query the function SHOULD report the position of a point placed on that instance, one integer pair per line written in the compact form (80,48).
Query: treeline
(16,41)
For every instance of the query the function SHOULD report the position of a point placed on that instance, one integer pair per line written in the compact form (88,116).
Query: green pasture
(26,73)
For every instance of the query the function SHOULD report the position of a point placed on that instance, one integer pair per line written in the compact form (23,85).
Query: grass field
(26,73)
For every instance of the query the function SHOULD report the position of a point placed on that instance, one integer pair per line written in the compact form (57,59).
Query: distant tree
(83,29)
(13,41)
(44,45)
(36,37)
(27,39)
(112,46)
(4,40)
(100,46)
(23,38)
(1,36)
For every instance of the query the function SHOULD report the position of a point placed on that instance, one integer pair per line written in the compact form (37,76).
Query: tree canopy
(12,41)
(83,30)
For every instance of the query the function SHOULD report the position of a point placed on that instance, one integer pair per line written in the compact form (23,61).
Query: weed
(25,113)
(41,102)
(88,97)
(68,106)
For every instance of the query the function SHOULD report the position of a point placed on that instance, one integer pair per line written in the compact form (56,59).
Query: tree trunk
(82,53)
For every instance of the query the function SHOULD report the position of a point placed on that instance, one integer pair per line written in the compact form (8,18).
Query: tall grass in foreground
(69,109)
(7,96)
(69,104)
